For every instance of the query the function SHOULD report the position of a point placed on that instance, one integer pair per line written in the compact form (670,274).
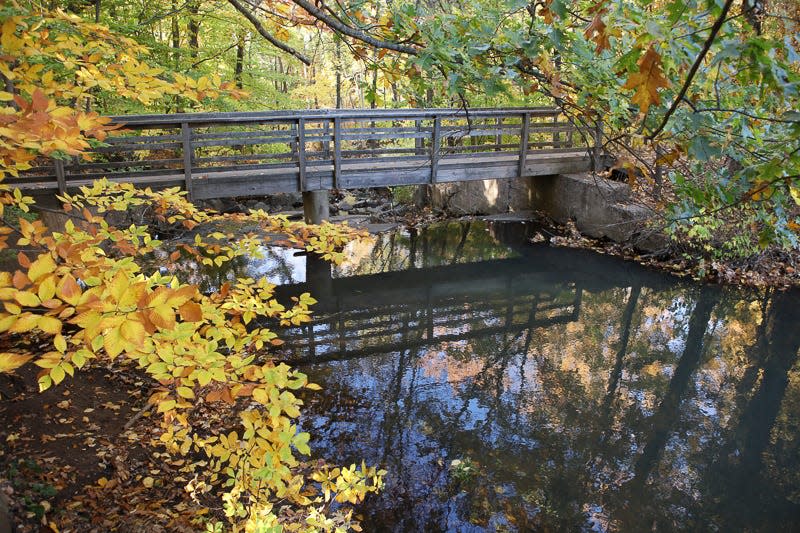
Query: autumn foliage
(88,294)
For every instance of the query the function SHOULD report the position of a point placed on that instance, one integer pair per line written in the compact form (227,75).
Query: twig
(146,409)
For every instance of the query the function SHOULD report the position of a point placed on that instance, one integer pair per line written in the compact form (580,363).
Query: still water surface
(507,386)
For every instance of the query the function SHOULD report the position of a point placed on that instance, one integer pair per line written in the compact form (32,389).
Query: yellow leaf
(25,322)
(148,482)
(50,325)
(166,405)
(185,392)
(47,288)
(133,331)
(44,264)
(113,342)
(261,396)
(57,374)
(44,383)
(60,343)
(163,316)
(12,361)
(6,322)
(27,299)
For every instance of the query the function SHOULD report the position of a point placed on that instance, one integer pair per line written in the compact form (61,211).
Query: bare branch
(265,34)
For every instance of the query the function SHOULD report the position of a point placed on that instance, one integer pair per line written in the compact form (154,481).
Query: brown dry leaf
(596,32)
(647,81)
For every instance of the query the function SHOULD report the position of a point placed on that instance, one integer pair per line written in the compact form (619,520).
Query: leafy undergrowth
(214,443)
(80,459)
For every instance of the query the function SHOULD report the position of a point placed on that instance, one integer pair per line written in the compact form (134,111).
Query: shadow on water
(516,387)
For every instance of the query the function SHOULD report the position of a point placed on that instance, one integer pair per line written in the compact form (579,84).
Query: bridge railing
(230,154)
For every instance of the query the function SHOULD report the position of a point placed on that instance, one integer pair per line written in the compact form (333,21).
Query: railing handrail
(244,117)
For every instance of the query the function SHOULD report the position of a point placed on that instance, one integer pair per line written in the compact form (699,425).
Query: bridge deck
(243,154)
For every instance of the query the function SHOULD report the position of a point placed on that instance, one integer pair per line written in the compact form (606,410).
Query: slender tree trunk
(239,68)
(338,65)
(176,36)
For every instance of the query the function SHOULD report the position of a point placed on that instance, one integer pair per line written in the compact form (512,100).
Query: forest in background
(697,98)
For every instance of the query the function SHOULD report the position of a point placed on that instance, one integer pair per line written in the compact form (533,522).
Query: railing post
(435,147)
(523,143)
(598,143)
(498,137)
(326,130)
(337,152)
(61,175)
(301,153)
(188,158)
(418,140)
(556,134)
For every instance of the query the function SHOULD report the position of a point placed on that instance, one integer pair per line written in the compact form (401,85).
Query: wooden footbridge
(218,155)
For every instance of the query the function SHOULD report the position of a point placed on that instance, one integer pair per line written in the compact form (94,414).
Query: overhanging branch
(355,33)
(706,47)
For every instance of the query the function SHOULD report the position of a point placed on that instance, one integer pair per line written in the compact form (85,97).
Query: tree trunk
(176,36)
(338,74)
(194,29)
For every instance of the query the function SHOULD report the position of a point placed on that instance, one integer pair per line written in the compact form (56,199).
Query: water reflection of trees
(590,394)
(583,403)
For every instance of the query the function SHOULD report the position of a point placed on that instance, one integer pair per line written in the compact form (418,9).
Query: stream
(507,386)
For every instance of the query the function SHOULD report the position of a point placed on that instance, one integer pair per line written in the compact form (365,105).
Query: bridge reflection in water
(574,391)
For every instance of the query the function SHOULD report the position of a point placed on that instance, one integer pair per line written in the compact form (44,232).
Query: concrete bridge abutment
(599,207)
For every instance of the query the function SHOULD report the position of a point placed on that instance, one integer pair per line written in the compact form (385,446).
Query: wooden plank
(242,157)
(61,176)
(436,142)
(288,117)
(176,163)
(385,135)
(131,139)
(301,153)
(380,151)
(135,147)
(337,151)
(523,143)
(252,186)
(152,172)
(188,154)
(244,141)
(222,135)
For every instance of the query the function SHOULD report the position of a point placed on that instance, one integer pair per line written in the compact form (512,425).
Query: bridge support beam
(315,206)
